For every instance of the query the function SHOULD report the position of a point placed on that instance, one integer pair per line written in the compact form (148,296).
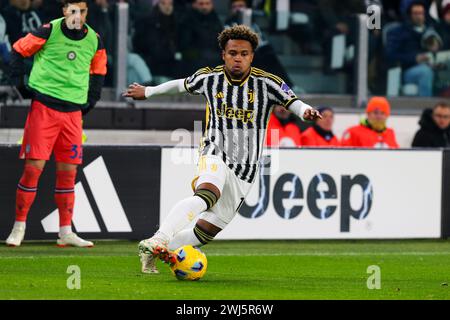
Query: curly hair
(238,32)
(67,2)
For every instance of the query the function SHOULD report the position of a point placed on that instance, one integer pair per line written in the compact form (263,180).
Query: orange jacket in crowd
(288,135)
(312,137)
(363,136)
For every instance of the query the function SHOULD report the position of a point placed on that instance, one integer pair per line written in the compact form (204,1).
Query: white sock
(20,224)
(64,230)
(184,238)
(180,216)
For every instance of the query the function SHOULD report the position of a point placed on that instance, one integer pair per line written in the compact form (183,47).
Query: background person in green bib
(66,79)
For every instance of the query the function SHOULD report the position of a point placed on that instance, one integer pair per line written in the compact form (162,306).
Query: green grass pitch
(236,270)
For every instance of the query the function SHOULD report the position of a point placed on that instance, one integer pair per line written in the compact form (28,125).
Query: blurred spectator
(434,127)
(432,41)
(337,18)
(320,134)
(304,26)
(198,40)
(265,56)
(337,14)
(51,9)
(139,9)
(283,130)
(5,46)
(3,4)
(99,18)
(372,132)
(444,27)
(405,6)
(404,46)
(156,40)
(391,10)
(20,19)
(137,70)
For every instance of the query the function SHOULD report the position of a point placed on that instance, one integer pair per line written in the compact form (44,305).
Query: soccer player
(239,102)
(66,80)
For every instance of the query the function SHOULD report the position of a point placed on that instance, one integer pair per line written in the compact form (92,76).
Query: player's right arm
(24,48)
(192,85)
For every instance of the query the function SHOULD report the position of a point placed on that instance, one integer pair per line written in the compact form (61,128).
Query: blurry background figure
(372,132)
(320,134)
(305,28)
(404,48)
(156,40)
(138,70)
(337,19)
(433,44)
(21,19)
(443,27)
(198,41)
(283,129)
(51,9)
(431,41)
(265,56)
(100,19)
(434,127)
(5,49)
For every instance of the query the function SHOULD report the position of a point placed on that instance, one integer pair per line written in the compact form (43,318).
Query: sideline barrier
(116,194)
(122,191)
(331,194)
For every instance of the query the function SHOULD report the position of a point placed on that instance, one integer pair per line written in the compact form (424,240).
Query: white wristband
(148,92)
(299,108)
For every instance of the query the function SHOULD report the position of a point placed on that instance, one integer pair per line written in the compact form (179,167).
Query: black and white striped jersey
(237,114)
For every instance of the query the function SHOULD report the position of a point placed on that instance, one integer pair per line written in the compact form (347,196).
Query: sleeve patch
(286,89)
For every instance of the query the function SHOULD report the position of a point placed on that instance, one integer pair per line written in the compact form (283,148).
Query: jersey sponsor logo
(72,45)
(238,114)
(106,200)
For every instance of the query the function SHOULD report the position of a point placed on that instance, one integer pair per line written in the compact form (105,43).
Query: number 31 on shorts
(77,152)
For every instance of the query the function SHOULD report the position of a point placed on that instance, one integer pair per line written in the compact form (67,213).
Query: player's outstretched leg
(25,195)
(179,217)
(65,201)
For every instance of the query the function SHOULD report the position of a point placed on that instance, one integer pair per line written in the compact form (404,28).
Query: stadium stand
(319,66)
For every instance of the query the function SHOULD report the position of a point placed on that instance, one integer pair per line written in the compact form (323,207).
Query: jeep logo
(313,195)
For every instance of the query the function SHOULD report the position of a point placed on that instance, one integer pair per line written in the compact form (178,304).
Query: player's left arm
(280,93)
(97,75)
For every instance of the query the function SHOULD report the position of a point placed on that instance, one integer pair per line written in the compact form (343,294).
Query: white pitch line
(334,254)
(246,254)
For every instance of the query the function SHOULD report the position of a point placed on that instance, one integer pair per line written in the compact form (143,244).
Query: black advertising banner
(117,194)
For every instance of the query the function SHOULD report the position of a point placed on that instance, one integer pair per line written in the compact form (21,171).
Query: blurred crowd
(286,130)
(419,44)
(173,38)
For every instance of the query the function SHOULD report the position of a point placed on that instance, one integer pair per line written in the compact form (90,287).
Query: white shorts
(212,169)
